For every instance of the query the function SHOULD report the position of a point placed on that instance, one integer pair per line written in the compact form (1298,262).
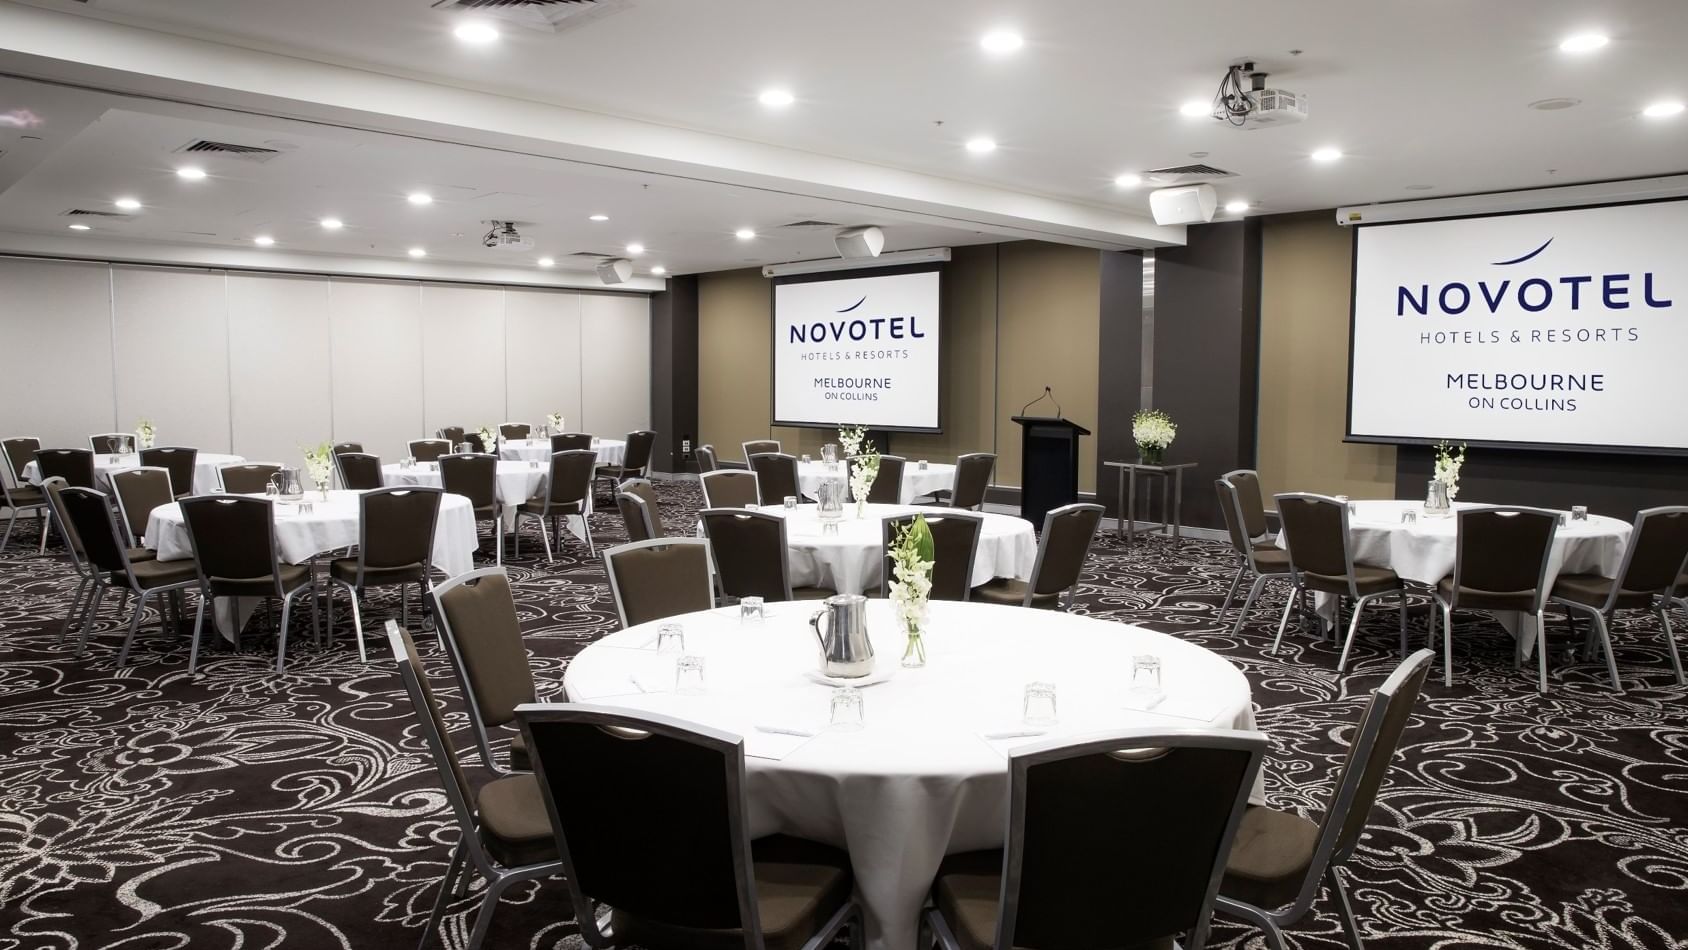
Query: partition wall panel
(616,366)
(280,366)
(171,337)
(56,380)
(375,329)
(543,357)
(462,356)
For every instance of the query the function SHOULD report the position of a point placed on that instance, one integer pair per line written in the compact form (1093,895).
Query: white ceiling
(1424,98)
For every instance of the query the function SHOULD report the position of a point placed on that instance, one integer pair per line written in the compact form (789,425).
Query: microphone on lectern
(1048,394)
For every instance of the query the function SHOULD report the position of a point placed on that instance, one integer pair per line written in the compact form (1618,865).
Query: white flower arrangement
(145,433)
(1153,429)
(912,558)
(863,472)
(555,421)
(1448,462)
(319,463)
(489,438)
(850,439)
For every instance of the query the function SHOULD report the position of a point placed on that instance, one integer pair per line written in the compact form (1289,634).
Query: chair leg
(1283,622)
(1353,627)
(498,537)
(404,606)
(198,625)
(483,918)
(1541,652)
(1268,927)
(1670,641)
(76,608)
(545,538)
(95,600)
(1345,910)
(518,541)
(1236,582)
(586,528)
(1402,608)
(357,626)
(1447,644)
(281,635)
(134,625)
(42,549)
(1253,592)
(11,522)
(1600,627)
(434,916)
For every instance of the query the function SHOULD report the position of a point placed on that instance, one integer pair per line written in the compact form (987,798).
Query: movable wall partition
(260,364)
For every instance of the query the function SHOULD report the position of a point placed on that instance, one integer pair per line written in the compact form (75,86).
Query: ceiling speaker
(860,242)
(615,270)
(1189,204)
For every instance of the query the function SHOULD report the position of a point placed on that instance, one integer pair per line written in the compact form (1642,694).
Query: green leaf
(923,539)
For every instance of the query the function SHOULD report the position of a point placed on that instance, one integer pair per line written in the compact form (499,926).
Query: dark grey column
(674,330)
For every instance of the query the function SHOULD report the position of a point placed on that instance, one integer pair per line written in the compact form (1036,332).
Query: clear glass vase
(914,648)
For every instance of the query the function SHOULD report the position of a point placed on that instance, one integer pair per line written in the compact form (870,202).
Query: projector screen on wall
(1559,329)
(857,349)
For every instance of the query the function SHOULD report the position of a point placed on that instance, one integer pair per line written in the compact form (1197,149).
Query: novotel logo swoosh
(1531,294)
(856,329)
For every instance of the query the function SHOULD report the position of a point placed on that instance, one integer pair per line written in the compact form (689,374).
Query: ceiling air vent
(591,254)
(1185,174)
(809,224)
(547,15)
(246,153)
(85,213)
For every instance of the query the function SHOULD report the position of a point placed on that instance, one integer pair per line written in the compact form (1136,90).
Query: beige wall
(1306,270)
(1016,317)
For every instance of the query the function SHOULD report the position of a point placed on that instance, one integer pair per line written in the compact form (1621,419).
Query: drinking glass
(751,610)
(846,709)
(805,459)
(1409,517)
(671,638)
(1579,512)
(1146,675)
(790,502)
(923,465)
(688,675)
(409,461)
(1037,708)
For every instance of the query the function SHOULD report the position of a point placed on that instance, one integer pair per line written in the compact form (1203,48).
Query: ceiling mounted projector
(1255,107)
(1190,204)
(505,237)
(860,242)
(615,270)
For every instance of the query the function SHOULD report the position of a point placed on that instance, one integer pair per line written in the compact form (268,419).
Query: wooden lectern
(1048,464)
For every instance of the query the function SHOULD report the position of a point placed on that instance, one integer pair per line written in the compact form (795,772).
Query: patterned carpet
(142,809)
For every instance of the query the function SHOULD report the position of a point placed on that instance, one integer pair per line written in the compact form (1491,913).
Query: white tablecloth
(1423,552)
(916,483)
(919,780)
(610,451)
(517,482)
(204,470)
(848,560)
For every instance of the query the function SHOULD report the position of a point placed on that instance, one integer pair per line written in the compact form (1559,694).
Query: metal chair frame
(102,581)
(1542,591)
(1602,615)
(1245,560)
(1353,590)
(287,597)
(355,589)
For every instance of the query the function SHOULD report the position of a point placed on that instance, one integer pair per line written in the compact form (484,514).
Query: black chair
(1500,563)
(776,476)
(395,546)
(452,435)
(635,460)
(430,450)
(972,478)
(110,443)
(514,430)
(140,491)
(567,491)
(677,878)
(571,442)
(1061,553)
(1321,560)
(15,454)
(75,466)
(182,463)
(475,477)
(235,553)
(86,572)
(247,478)
(341,448)
(729,488)
(359,471)
(482,637)
(660,577)
(758,447)
(640,512)
(706,459)
(1254,553)
(1646,580)
(887,488)
(749,549)
(21,500)
(90,512)
(955,546)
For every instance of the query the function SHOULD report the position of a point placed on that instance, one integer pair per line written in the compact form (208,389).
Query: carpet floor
(141,808)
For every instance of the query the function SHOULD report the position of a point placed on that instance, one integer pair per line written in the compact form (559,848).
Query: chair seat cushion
(1270,559)
(1485,599)
(1592,590)
(346,569)
(967,892)
(1269,858)
(155,573)
(812,593)
(800,885)
(1367,580)
(534,506)
(292,576)
(23,497)
(515,827)
(1007,590)
(142,554)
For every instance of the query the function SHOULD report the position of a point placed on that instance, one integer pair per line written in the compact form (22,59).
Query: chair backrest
(570,480)
(776,476)
(1316,534)
(749,550)
(359,471)
(89,511)
(729,488)
(18,452)
(888,484)
(51,489)
(638,452)
(233,539)
(1504,550)
(955,545)
(622,841)
(514,430)
(640,511)
(1227,496)
(451,434)
(660,577)
(759,447)
(706,459)
(476,443)
(1245,482)
(1067,533)
(75,466)
(1656,553)
(1121,840)
(571,441)
(483,639)
(108,443)
(247,478)
(181,462)
(396,527)
(139,491)
(430,450)
(474,476)
(972,478)
(341,448)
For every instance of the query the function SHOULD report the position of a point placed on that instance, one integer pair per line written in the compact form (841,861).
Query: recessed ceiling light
(1002,41)
(1236,207)
(1662,110)
(659,270)
(635,248)
(599,217)
(190,172)
(981,145)
(776,98)
(419,198)
(547,262)
(744,234)
(417,252)
(476,32)
(331,224)
(1129,180)
(1195,109)
(128,204)
(263,240)
(1583,42)
(1327,154)
(80,227)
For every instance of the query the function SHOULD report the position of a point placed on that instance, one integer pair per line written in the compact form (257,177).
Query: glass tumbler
(1146,675)
(688,675)
(846,709)
(752,610)
(671,638)
(1037,707)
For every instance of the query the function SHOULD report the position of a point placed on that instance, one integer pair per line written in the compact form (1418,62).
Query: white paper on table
(1197,708)
(776,740)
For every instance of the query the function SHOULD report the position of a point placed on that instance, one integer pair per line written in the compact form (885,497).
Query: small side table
(1128,472)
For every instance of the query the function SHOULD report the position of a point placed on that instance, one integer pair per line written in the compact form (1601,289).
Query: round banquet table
(917,483)
(1423,551)
(610,451)
(205,465)
(517,482)
(849,560)
(927,774)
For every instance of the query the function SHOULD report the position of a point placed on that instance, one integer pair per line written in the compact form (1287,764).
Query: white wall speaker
(860,242)
(615,271)
(1187,204)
